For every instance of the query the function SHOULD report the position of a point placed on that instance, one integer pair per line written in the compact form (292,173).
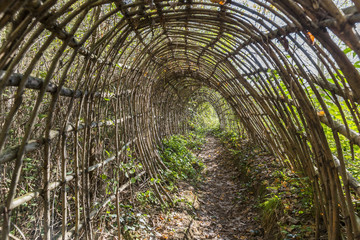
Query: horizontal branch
(353,182)
(54,27)
(32,145)
(37,83)
(351,135)
(334,89)
(38,192)
(93,213)
(317,80)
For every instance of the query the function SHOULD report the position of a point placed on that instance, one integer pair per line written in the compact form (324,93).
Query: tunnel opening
(208,111)
(204,116)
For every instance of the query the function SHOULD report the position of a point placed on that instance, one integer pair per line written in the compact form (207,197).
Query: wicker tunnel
(82,83)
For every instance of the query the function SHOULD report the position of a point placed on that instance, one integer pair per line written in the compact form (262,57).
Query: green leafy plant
(181,162)
(204,117)
(147,197)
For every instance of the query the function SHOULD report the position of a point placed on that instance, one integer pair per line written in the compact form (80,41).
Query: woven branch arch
(224,112)
(81,77)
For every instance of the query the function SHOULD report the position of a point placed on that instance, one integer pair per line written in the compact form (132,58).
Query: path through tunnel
(88,86)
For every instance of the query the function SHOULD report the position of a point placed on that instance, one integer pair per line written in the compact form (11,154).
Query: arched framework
(83,81)
(224,112)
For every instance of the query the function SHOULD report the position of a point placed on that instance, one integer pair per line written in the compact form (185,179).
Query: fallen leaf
(310,37)
(321,113)
(221,2)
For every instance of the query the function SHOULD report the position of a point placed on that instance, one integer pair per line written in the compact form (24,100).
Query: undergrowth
(177,153)
(283,198)
(181,162)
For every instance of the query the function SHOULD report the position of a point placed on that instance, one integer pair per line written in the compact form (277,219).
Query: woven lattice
(82,82)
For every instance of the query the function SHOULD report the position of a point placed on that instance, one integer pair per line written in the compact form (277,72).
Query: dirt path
(246,195)
(222,213)
(221,207)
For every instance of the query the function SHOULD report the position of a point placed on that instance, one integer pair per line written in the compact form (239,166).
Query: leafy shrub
(204,117)
(181,162)
(147,197)
(230,138)
(288,209)
(195,141)
(271,210)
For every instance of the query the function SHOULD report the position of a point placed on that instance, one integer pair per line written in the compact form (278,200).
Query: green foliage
(130,167)
(288,205)
(147,197)
(195,140)
(204,117)
(181,162)
(130,221)
(271,207)
(230,138)
(285,199)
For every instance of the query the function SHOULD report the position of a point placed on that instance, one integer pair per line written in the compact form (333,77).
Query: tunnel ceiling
(81,77)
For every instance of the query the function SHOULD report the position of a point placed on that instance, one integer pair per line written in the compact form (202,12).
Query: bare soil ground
(218,207)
